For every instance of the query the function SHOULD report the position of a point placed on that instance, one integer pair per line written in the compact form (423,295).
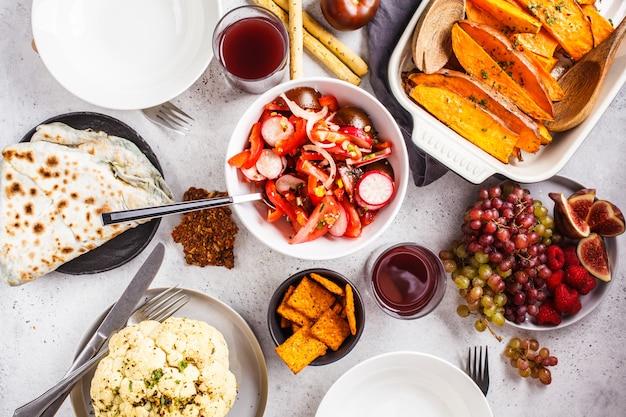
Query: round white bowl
(275,235)
(125,55)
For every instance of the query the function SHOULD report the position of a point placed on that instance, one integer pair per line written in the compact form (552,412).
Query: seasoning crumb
(207,236)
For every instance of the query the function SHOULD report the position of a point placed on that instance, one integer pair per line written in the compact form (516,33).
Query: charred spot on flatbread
(29,209)
(52,161)
(39,228)
(14,189)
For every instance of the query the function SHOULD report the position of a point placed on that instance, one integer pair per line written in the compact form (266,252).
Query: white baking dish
(471,162)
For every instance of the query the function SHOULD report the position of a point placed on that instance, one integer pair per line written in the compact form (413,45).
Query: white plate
(125,54)
(589,302)
(471,162)
(404,384)
(246,357)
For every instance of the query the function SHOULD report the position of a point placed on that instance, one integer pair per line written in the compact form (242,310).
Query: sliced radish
(252,174)
(276,128)
(270,164)
(374,190)
(289,183)
(340,226)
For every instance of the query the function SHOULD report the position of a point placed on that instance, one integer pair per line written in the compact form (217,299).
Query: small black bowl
(279,334)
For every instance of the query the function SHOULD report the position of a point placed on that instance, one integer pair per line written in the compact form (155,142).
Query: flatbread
(53,190)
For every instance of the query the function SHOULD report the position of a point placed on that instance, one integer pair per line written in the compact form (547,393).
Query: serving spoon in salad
(124,216)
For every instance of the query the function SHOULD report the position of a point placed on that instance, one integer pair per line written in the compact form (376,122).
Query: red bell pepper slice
(298,139)
(313,190)
(256,145)
(238,160)
(279,202)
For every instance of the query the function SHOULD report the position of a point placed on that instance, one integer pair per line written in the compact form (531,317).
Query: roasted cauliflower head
(176,368)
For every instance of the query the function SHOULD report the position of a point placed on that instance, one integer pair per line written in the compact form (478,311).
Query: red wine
(405,278)
(252,48)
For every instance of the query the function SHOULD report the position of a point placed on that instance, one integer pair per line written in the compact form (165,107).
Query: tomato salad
(322,166)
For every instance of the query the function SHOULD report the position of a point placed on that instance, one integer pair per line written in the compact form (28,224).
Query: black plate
(123,248)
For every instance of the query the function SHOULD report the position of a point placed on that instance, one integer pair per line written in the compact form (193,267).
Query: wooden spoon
(583,81)
(432,44)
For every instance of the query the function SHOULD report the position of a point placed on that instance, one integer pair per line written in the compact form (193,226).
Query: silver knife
(117,317)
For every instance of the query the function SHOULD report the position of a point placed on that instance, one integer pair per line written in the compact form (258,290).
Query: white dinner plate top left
(125,54)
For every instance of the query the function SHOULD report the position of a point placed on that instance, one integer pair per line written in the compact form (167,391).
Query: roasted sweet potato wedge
(539,84)
(510,14)
(530,135)
(565,20)
(479,63)
(468,119)
(541,43)
(600,27)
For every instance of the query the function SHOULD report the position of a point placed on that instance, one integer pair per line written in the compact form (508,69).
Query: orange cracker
(311,299)
(289,313)
(328,284)
(331,329)
(300,350)
(350,313)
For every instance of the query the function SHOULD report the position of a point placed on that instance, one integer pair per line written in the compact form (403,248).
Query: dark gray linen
(384,31)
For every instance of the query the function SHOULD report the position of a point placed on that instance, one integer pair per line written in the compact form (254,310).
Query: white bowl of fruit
(536,256)
(331,160)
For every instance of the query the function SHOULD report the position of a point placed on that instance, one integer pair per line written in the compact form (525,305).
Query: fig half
(605,219)
(581,201)
(594,257)
(567,220)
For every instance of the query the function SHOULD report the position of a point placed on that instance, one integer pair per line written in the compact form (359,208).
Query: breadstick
(296,68)
(345,54)
(315,47)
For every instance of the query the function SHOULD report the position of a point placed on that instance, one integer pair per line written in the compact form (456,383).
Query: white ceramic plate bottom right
(407,384)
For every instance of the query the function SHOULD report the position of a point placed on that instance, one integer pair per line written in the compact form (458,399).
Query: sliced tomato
(329,101)
(354,227)
(238,160)
(322,218)
(256,145)
(368,217)
(290,144)
(279,202)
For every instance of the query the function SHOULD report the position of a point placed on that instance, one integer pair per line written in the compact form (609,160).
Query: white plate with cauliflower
(175,339)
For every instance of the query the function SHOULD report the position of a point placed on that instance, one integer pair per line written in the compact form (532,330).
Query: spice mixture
(207,236)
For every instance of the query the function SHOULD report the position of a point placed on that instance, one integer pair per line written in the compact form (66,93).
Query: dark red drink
(252,48)
(407,280)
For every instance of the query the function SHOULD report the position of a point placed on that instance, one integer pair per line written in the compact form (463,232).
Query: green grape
(480,325)
(498,319)
(463,310)
(462,282)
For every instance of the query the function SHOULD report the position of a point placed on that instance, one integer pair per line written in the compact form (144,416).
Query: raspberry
(548,314)
(565,298)
(555,279)
(569,255)
(556,258)
(590,284)
(575,276)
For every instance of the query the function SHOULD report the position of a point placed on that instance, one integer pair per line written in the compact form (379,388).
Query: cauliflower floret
(176,368)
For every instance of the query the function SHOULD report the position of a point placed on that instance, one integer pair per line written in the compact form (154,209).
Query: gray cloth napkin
(384,31)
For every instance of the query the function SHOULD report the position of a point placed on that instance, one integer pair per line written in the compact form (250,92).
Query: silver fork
(170,116)
(160,307)
(478,368)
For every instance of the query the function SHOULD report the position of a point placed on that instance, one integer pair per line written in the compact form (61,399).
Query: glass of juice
(251,45)
(406,280)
